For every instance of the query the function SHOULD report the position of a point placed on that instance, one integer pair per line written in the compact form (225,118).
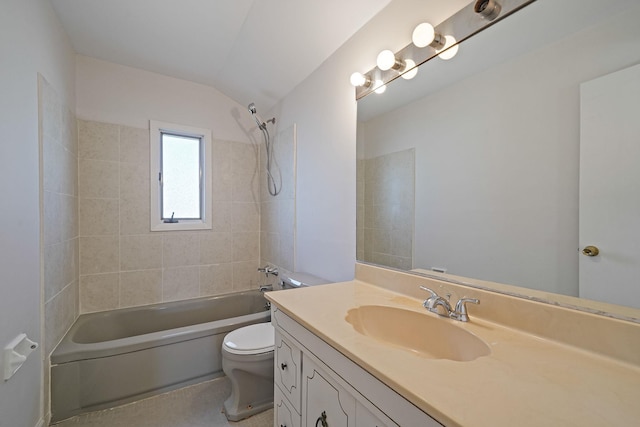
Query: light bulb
(446,52)
(386,60)
(413,70)
(381,87)
(359,79)
(423,35)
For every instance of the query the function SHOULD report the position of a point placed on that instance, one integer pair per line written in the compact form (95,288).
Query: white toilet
(247,360)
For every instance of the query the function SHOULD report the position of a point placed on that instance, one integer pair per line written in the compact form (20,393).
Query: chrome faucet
(441,306)
(436,304)
(461,309)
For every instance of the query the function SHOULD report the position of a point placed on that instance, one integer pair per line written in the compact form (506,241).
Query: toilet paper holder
(16,353)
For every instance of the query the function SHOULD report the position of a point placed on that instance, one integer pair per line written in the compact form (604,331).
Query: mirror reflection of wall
(386,209)
(497,152)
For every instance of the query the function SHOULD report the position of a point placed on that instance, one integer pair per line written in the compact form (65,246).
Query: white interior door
(610,187)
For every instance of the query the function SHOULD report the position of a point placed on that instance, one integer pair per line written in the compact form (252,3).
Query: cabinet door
(284,415)
(325,403)
(287,369)
(365,418)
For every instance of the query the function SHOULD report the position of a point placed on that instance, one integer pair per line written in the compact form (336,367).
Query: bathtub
(114,357)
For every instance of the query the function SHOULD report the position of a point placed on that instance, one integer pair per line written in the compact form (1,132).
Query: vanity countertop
(527,380)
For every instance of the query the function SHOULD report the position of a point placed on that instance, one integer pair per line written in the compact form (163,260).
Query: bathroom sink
(420,333)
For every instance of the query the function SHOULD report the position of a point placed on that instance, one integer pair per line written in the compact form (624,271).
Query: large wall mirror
(504,163)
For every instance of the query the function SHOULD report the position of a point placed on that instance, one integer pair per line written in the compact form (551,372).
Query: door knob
(591,251)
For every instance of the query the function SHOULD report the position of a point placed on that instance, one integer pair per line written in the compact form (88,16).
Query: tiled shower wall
(59,219)
(124,264)
(277,237)
(385,208)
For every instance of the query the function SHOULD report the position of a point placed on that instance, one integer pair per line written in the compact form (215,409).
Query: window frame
(156,222)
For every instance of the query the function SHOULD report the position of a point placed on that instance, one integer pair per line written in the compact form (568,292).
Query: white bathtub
(114,357)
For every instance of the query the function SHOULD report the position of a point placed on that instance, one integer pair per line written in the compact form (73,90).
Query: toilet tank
(299,279)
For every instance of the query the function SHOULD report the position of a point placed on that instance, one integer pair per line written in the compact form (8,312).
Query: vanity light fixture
(449,50)
(428,42)
(360,80)
(410,65)
(488,9)
(387,60)
(425,35)
(380,87)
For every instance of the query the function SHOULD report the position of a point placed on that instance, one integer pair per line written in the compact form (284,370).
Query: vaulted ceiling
(251,50)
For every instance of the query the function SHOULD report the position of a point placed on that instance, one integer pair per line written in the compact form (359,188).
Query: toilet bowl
(247,360)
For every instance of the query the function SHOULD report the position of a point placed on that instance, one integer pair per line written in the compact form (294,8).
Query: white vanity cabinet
(284,414)
(365,418)
(324,400)
(328,383)
(287,370)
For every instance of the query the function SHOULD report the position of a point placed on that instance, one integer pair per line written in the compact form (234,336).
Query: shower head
(259,121)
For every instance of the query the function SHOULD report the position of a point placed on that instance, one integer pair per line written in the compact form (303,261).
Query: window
(180,172)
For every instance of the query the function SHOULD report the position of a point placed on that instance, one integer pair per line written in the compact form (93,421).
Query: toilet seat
(253,339)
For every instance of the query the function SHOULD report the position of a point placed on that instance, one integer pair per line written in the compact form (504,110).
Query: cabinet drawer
(288,369)
(284,414)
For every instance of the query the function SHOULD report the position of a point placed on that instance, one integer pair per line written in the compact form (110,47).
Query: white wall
(113,93)
(31,41)
(324,110)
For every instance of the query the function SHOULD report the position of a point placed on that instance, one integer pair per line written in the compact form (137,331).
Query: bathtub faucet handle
(267,270)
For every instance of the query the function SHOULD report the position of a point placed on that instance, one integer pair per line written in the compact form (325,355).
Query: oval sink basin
(422,334)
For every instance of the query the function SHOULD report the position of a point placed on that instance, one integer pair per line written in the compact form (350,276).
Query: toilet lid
(252,339)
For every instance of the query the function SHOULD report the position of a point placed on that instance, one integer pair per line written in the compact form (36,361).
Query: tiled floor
(198,405)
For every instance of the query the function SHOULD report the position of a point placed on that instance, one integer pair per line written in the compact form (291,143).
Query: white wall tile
(134,181)
(246,246)
(246,216)
(142,252)
(134,216)
(245,275)
(53,270)
(52,217)
(216,279)
(181,249)
(140,287)
(180,283)
(99,217)
(191,263)
(98,141)
(99,179)
(99,292)
(99,254)
(134,145)
(216,247)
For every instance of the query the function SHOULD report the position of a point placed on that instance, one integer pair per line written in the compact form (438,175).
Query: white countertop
(525,381)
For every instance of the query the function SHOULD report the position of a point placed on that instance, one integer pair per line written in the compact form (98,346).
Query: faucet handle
(431,291)
(461,308)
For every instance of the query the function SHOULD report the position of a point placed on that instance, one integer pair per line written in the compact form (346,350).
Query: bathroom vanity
(314,381)
(516,362)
